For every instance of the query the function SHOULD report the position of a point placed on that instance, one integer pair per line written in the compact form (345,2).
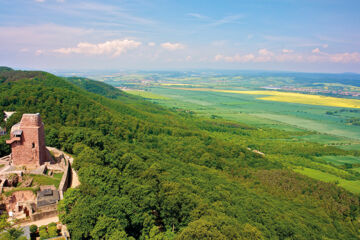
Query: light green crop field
(352,146)
(261,113)
(352,186)
(340,160)
(291,97)
(146,94)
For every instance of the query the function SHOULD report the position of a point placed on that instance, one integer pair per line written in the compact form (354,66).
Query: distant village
(27,197)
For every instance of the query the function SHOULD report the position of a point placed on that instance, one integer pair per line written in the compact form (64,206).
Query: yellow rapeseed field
(293,97)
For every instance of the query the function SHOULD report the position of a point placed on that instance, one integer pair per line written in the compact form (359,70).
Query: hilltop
(148,172)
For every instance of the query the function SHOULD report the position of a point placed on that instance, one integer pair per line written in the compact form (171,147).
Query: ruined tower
(27,140)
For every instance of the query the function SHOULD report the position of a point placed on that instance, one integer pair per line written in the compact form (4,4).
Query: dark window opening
(33,145)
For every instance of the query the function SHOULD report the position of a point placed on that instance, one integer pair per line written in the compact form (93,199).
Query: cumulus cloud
(188,58)
(114,48)
(24,50)
(264,55)
(40,1)
(235,58)
(265,52)
(172,46)
(325,45)
(151,44)
(345,57)
(39,52)
(287,51)
(316,50)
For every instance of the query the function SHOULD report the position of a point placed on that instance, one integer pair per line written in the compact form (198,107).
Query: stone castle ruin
(27,140)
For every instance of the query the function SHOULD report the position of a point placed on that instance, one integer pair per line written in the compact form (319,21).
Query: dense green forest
(148,172)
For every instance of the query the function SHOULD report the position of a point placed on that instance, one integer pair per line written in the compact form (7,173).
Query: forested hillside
(152,173)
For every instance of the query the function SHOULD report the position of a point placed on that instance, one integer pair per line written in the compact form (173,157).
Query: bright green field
(260,113)
(352,186)
(146,94)
(354,146)
(340,160)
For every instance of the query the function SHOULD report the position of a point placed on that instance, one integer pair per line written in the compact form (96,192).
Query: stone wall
(41,215)
(46,208)
(65,180)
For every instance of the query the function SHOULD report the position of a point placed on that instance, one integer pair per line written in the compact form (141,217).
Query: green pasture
(352,186)
(351,146)
(328,139)
(146,94)
(340,160)
(260,113)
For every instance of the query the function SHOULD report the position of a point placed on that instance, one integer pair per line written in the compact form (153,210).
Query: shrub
(33,228)
(52,231)
(43,234)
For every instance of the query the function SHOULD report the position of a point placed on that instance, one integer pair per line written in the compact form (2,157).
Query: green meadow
(352,186)
(340,160)
(261,113)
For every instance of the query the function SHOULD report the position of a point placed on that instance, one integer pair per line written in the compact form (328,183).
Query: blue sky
(289,35)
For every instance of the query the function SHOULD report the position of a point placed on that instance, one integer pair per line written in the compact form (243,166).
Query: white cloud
(316,50)
(226,20)
(172,46)
(151,44)
(235,58)
(39,52)
(345,57)
(265,52)
(325,45)
(287,56)
(188,58)
(287,51)
(40,1)
(197,15)
(264,55)
(24,50)
(114,48)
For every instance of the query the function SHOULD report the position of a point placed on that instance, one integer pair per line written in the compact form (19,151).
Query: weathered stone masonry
(27,140)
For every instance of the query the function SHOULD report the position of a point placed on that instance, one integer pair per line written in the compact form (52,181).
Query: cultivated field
(146,94)
(352,186)
(292,97)
(340,160)
(249,109)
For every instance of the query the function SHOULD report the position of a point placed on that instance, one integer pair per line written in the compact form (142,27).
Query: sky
(279,35)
